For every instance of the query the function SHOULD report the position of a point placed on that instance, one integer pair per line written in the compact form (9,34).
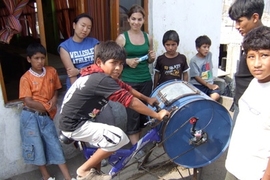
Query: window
(123,13)
(12,54)
(13,63)
(119,11)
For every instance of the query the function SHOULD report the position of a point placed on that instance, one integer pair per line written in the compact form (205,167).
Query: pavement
(167,171)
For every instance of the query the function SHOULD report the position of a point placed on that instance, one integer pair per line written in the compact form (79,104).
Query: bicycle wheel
(197,134)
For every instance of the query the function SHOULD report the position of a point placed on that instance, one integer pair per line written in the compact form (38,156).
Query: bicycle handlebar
(158,108)
(156,105)
(153,120)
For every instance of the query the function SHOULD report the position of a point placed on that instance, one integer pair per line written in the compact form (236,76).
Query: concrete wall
(11,161)
(190,19)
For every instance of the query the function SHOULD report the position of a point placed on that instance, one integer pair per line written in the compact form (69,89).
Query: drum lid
(212,118)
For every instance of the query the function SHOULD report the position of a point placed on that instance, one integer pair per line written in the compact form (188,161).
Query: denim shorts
(40,144)
(206,90)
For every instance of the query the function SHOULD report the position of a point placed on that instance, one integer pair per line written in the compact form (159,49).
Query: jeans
(40,142)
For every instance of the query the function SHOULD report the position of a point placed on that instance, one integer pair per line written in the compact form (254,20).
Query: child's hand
(213,86)
(72,72)
(162,114)
(52,103)
(152,100)
(132,62)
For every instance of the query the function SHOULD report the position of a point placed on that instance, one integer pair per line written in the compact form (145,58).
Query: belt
(36,112)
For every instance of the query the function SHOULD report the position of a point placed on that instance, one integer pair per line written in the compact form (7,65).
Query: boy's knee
(215,96)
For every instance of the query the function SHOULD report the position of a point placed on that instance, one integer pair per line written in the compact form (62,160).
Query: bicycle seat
(63,139)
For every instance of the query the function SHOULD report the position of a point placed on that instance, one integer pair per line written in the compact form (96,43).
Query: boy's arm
(201,81)
(53,102)
(141,108)
(156,78)
(204,83)
(140,96)
(185,69)
(185,76)
(29,102)
(25,95)
(131,99)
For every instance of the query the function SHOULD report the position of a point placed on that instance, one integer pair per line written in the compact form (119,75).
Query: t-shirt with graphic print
(40,87)
(81,53)
(91,91)
(201,67)
(171,68)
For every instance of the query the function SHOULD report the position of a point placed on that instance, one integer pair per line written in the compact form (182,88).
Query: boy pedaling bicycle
(86,114)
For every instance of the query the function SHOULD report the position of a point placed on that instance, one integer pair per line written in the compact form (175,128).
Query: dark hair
(35,48)
(170,35)
(83,15)
(109,50)
(258,38)
(246,8)
(136,9)
(202,40)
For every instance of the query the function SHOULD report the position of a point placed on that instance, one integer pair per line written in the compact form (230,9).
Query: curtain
(65,13)
(28,20)
(100,11)
(11,24)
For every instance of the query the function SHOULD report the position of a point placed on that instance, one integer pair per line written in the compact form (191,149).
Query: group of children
(85,105)
(173,65)
(98,84)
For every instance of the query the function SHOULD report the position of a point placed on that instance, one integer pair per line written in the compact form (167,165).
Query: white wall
(190,18)
(11,162)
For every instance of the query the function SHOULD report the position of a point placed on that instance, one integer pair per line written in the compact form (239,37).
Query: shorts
(206,90)
(108,138)
(135,120)
(40,144)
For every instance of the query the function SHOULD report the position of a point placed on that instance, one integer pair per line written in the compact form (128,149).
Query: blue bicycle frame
(206,124)
(121,157)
